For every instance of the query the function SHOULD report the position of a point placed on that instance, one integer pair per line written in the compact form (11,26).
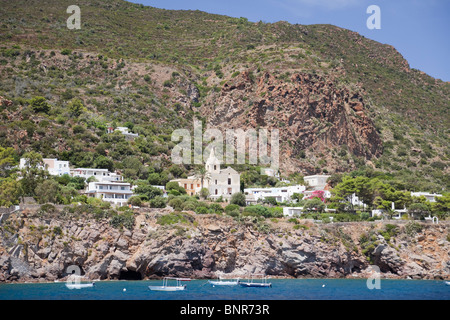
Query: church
(220,182)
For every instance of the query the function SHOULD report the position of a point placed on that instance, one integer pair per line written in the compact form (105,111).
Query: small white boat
(72,286)
(220,282)
(166,287)
(253,283)
(447,283)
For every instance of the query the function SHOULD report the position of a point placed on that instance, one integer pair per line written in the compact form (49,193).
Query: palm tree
(202,174)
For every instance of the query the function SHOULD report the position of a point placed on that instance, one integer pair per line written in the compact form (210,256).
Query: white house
(54,166)
(117,193)
(270,172)
(429,196)
(280,194)
(317,182)
(99,174)
(297,211)
(397,213)
(124,130)
(292,211)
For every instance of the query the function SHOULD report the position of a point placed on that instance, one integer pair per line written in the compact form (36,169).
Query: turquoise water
(292,289)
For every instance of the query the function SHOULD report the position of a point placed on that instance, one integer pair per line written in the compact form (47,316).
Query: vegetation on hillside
(151,70)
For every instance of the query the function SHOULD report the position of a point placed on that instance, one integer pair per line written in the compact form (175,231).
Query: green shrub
(202,210)
(231,207)
(172,218)
(189,206)
(39,104)
(176,203)
(412,228)
(389,231)
(175,186)
(238,198)
(257,211)
(314,205)
(125,219)
(215,208)
(57,231)
(48,208)
(276,212)
(158,202)
(78,129)
(364,216)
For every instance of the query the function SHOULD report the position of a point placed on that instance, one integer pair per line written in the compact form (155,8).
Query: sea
(201,290)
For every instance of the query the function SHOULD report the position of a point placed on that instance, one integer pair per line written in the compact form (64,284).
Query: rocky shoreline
(40,248)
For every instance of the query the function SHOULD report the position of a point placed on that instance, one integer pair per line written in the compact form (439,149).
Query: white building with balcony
(281,194)
(117,193)
(54,166)
(431,197)
(98,174)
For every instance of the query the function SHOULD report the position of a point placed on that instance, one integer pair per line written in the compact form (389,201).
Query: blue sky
(418,29)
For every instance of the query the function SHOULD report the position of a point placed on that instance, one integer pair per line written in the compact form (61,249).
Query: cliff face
(314,115)
(205,246)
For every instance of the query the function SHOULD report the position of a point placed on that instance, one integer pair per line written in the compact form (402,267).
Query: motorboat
(166,287)
(72,286)
(255,282)
(221,282)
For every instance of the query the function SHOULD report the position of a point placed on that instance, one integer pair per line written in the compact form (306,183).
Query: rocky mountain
(311,112)
(39,246)
(341,101)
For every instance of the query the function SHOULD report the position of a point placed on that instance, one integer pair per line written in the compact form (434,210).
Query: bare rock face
(314,115)
(387,259)
(208,246)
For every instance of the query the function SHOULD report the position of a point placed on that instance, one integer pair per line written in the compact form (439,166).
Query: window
(229,180)
(215,167)
(185,185)
(216,181)
(217,191)
(198,185)
(192,186)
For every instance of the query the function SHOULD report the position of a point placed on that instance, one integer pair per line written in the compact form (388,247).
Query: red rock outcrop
(314,115)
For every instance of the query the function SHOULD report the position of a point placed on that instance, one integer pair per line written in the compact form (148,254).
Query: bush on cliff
(257,211)
(125,219)
(173,218)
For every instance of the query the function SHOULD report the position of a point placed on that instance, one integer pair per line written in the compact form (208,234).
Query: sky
(418,29)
